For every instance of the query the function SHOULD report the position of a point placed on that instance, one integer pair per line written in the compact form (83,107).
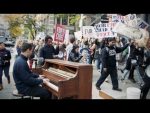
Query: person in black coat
(74,54)
(109,64)
(48,51)
(5,57)
(146,76)
(27,82)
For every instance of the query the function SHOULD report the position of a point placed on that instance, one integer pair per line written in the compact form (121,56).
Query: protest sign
(127,31)
(105,30)
(78,35)
(59,33)
(131,20)
(142,24)
(88,31)
(66,40)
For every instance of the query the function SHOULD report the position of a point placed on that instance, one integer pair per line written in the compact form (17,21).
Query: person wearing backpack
(109,64)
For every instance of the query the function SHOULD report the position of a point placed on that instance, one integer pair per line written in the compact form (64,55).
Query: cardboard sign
(117,18)
(127,31)
(142,24)
(78,35)
(131,20)
(59,33)
(105,30)
(66,36)
(88,32)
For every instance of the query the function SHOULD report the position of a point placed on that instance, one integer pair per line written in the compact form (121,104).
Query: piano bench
(16,94)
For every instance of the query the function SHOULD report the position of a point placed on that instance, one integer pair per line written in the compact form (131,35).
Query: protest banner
(142,24)
(117,18)
(127,31)
(78,35)
(131,20)
(59,33)
(105,30)
(88,32)
(66,40)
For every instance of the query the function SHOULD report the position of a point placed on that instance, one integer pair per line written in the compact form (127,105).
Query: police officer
(109,64)
(5,57)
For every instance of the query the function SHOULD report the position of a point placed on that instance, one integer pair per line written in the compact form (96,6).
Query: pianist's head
(27,49)
(48,40)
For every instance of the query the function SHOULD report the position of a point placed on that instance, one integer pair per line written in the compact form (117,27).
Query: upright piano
(67,79)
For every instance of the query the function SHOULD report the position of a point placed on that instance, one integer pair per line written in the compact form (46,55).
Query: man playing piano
(28,83)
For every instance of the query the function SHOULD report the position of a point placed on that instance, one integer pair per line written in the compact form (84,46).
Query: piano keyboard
(54,87)
(61,73)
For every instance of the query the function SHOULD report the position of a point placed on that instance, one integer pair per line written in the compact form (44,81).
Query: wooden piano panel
(79,87)
(85,83)
(68,88)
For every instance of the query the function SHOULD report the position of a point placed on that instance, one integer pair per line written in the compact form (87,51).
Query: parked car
(9,44)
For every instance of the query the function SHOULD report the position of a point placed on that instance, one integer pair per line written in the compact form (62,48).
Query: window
(58,21)
(65,20)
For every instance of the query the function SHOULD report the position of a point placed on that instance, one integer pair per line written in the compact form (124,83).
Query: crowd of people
(106,53)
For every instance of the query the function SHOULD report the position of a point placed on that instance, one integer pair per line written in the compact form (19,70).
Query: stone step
(106,92)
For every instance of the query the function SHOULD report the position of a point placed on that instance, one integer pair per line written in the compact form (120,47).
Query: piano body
(67,79)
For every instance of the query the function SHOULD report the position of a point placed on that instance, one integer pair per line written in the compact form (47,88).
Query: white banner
(88,32)
(66,36)
(78,35)
(127,31)
(105,30)
(131,20)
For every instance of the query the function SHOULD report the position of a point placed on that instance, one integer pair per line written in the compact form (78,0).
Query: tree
(73,18)
(19,22)
(30,22)
(14,21)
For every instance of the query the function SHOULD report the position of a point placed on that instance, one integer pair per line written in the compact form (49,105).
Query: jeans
(98,62)
(6,72)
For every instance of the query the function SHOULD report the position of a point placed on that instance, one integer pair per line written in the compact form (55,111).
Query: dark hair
(72,38)
(64,46)
(26,46)
(111,39)
(48,37)
(86,43)
(74,47)
(96,42)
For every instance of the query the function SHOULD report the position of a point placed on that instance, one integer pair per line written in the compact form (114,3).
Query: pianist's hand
(41,76)
(45,80)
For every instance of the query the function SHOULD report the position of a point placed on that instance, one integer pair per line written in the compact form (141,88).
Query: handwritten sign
(59,33)
(127,31)
(105,30)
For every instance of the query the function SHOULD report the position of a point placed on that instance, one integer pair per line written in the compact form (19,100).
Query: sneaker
(132,80)
(98,88)
(1,86)
(117,89)
(106,80)
(122,79)
(8,81)
(121,71)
